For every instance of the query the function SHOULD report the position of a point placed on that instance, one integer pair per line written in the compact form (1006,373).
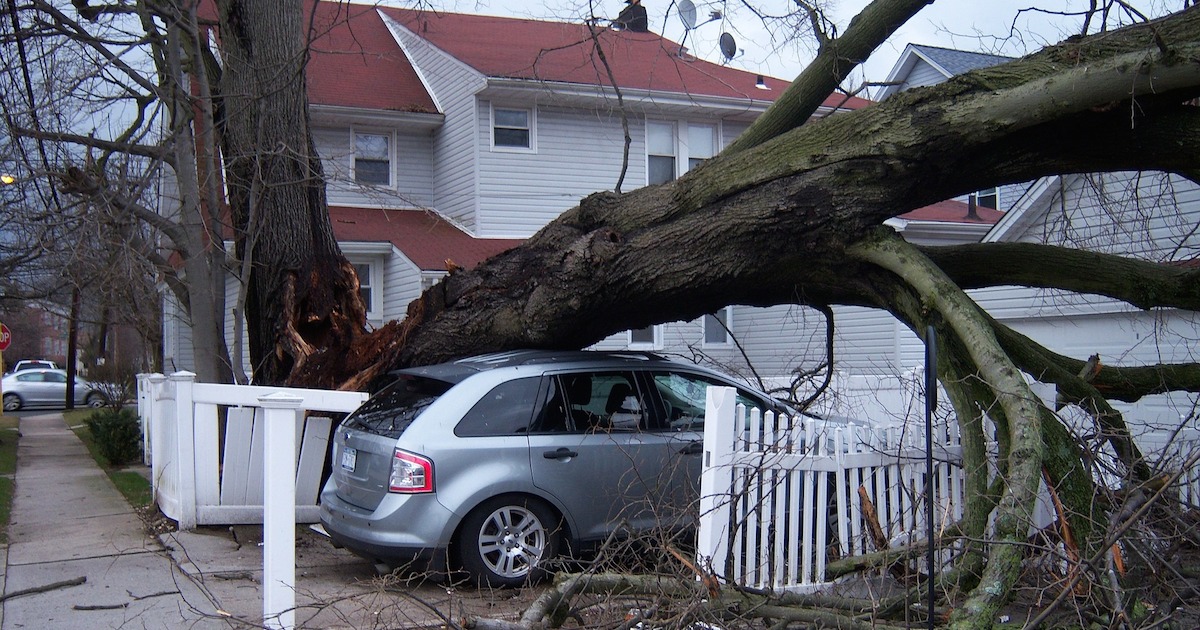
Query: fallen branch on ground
(42,589)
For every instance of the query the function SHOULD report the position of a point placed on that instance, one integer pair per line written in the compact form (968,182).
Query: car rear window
(390,411)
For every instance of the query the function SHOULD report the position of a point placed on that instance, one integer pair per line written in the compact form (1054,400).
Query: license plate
(349,458)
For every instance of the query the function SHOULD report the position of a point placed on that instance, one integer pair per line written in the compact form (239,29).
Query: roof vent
(760,82)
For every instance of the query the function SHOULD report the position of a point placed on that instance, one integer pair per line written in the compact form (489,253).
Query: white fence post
(716,481)
(149,388)
(279,509)
(185,448)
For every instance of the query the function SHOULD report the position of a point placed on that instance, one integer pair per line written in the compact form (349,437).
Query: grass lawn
(131,483)
(8,466)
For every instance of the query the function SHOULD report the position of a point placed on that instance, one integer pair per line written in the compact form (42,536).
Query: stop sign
(5,337)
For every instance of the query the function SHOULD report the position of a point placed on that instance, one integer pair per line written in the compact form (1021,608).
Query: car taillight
(411,473)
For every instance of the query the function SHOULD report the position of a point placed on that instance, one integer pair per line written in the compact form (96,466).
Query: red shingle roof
(356,62)
(953,212)
(424,237)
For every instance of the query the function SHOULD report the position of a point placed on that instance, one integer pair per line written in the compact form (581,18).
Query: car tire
(507,541)
(95,401)
(12,402)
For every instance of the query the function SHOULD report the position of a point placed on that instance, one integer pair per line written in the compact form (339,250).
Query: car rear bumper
(403,530)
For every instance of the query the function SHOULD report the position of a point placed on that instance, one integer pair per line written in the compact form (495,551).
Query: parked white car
(30,364)
(46,387)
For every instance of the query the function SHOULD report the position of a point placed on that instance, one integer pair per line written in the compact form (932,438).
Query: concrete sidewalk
(72,531)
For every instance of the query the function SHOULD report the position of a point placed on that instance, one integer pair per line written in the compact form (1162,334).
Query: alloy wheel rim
(512,541)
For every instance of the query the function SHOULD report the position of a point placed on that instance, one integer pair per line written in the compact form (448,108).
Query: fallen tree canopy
(794,214)
(771,224)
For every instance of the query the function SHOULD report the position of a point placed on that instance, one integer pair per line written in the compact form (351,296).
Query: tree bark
(302,293)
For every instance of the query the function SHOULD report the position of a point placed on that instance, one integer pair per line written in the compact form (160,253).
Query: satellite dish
(687,14)
(728,46)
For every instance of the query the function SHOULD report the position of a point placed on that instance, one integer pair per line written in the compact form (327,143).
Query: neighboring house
(447,138)
(1151,216)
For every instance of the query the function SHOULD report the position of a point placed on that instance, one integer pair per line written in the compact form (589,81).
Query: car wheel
(95,401)
(12,402)
(506,541)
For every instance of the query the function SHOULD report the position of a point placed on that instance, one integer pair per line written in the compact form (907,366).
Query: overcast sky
(992,26)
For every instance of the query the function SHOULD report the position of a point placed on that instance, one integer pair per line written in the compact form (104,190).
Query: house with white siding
(447,138)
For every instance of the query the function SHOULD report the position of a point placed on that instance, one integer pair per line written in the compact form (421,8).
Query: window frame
(726,331)
(993,192)
(374,285)
(656,344)
(391,159)
(530,129)
(681,141)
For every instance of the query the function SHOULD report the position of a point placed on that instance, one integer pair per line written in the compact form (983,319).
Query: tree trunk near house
(302,293)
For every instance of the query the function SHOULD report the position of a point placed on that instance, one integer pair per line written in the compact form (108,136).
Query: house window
(673,149)
(512,128)
(717,327)
(701,145)
(367,286)
(988,198)
(648,338)
(373,159)
(660,153)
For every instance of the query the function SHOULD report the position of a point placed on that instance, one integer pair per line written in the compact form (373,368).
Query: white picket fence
(202,477)
(778,496)
(263,473)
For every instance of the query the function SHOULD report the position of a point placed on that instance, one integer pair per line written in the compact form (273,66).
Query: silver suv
(495,464)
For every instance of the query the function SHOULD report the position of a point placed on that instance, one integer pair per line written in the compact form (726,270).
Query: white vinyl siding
(922,75)
(1151,216)
(453,86)
(578,153)
(412,173)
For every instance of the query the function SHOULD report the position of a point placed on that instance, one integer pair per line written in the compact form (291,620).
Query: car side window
(593,401)
(54,377)
(505,410)
(685,396)
(29,378)
(618,404)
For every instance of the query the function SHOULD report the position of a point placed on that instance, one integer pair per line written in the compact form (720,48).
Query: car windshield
(390,411)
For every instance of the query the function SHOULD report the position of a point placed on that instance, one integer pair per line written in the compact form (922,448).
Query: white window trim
(680,127)
(375,269)
(532,148)
(728,343)
(368,131)
(657,344)
(430,278)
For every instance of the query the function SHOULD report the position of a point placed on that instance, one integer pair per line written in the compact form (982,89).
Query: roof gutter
(639,97)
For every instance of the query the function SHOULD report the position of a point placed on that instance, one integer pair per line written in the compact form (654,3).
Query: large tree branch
(828,69)
(1124,383)
(1143,284)
(1013,395)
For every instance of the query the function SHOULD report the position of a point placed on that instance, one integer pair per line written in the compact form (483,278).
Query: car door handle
(693,448)
(560,453)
